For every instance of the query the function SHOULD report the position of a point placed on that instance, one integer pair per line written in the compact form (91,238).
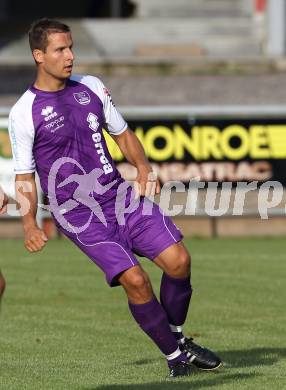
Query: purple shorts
(113,247)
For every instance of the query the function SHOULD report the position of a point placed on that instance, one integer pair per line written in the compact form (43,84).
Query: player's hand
(146,184)
(3,202)
(35,239)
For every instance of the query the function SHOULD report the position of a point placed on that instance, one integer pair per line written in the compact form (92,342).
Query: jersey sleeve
(114,120)
(21,132)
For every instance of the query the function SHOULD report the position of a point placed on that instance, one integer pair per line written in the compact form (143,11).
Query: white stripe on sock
(174,354)
(175,328)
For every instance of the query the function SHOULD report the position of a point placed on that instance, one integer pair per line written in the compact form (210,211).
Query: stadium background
(175,69)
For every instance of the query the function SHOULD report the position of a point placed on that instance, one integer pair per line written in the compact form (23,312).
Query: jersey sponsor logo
(56,124)
(96,137)
(48,113)
(82,97)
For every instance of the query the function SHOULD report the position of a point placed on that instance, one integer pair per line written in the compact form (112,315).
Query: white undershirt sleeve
(114,120)
(21,131)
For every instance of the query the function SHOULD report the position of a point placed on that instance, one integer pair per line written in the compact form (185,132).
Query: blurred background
(201,82)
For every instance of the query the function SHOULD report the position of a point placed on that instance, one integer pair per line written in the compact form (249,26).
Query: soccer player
(3,208)
(56,130)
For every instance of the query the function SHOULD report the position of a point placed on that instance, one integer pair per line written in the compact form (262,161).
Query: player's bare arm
(26,196)
(3,201)
(146,182)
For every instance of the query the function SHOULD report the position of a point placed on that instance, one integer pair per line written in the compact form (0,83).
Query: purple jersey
(66,127)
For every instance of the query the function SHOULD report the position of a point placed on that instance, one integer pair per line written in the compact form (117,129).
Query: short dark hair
(40,30)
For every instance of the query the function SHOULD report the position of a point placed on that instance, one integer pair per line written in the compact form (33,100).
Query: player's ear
(38,56)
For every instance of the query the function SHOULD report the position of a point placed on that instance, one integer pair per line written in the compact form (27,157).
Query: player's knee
(140,282)
(137,285)
(181,267)
(186,262)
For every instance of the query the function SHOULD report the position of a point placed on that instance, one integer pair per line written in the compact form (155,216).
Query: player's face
(58,58)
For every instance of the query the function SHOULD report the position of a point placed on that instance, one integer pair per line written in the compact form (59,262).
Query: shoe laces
(190,344)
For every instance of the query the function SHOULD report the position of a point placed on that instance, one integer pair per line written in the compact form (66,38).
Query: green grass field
(61,327)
